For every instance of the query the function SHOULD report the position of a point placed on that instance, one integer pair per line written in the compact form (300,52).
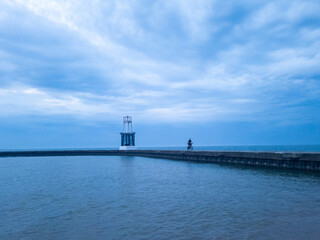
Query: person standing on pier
(190,147)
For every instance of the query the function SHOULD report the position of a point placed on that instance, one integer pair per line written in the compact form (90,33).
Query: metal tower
(127,134)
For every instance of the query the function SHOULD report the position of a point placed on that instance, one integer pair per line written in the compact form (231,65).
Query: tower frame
(127,134)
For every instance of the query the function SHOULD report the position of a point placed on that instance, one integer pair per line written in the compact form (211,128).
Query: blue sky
(221,72)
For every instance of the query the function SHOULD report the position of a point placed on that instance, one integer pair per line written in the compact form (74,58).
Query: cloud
(196,61)
(286,13)
(32,101)
(195,17)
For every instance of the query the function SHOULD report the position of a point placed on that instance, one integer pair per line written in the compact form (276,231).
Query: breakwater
(292,160)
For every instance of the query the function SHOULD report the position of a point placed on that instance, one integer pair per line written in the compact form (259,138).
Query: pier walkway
(292,160)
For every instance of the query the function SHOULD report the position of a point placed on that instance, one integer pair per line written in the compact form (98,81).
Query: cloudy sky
(230,72)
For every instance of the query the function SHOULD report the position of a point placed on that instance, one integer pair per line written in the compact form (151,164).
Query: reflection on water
(142,198)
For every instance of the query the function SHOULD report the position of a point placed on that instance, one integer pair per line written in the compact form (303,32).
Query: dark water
(142,198)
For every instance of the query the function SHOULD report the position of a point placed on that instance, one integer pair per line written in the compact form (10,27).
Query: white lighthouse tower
(127,135)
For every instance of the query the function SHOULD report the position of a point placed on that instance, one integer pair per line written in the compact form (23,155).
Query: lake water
(102,197)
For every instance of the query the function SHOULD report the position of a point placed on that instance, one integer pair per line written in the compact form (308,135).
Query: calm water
(143,198)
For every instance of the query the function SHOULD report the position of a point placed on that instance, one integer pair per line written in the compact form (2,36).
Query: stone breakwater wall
(292,160)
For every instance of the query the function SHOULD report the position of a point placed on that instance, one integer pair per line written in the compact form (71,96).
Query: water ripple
(141,198)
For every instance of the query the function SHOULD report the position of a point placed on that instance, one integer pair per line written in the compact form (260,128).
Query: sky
(236,72)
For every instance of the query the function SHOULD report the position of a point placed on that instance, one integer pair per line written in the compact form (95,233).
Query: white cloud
(115,61)
(294,61)
(286,13)
(299,10)
(215,77)
(18,99)
(195,16)
(147,105)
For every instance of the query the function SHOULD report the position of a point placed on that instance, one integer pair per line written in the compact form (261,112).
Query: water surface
(103,197)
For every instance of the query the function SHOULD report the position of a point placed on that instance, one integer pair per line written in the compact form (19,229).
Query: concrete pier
(291,160)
